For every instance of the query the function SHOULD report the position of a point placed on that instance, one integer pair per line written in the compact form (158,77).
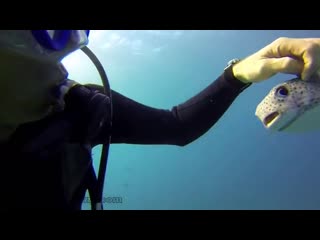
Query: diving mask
(51,45)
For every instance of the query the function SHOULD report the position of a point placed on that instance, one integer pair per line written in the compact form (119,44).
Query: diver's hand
(299,56)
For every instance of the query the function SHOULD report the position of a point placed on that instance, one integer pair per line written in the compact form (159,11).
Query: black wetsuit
(36,180)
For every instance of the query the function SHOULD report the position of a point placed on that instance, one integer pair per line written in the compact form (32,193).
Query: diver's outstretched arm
(140,124)
(136,123)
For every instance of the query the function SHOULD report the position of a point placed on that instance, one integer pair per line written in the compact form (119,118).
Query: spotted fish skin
(287,102)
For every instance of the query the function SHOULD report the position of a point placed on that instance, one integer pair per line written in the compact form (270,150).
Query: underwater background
(237,164)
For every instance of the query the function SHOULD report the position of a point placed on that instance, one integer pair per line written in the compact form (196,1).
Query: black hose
(97,201)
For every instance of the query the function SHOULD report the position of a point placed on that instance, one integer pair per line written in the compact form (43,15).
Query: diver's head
(44,45)
(30,68)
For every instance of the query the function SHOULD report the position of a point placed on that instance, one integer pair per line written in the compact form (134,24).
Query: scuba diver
(50,123)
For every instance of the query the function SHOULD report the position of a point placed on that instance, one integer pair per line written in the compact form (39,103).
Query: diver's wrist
(233,67)
(238,73)
(230,76)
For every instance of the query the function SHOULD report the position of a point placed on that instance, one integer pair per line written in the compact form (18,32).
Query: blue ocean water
(237,164)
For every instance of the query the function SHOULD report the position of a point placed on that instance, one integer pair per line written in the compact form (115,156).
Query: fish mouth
(271,118)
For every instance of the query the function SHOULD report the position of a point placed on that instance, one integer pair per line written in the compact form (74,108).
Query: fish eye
(282,91)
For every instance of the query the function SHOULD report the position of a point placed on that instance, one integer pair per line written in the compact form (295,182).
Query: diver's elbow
(184,141)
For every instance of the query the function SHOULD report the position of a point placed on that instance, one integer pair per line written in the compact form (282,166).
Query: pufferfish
(292,106)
